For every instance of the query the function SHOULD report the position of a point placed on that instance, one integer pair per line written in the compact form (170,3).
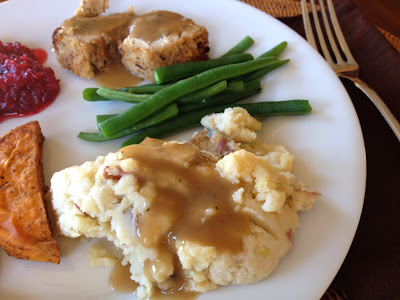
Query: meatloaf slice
(87,45)
(161,38)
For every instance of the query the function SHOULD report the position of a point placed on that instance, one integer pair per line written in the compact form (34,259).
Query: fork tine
(328,30)
(320,35)
(307,25)
(339,64)
(339,34)
(347,68)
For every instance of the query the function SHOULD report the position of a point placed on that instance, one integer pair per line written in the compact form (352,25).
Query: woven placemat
(277,8)
(291,8)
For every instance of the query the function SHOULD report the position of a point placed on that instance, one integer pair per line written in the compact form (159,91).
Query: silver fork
(345,67)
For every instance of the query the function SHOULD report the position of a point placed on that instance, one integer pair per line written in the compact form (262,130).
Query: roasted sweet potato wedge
(24,226)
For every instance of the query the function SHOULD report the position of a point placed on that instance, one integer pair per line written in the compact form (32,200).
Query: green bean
(93,136)
(234,98)
(204,93)
(191,68)
(274,65)
(125,89)
(240,47)
(278,49)
(150,88)
(268,61)
(135,98)
(168,95)
(90,94)
(192,119)
(112,94)
(232,95)
(261,72)
(101,118)
(168,112)
(234,86)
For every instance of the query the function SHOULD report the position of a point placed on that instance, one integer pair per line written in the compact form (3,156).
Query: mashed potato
(219,209)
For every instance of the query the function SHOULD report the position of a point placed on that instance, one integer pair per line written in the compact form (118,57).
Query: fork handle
(380,105)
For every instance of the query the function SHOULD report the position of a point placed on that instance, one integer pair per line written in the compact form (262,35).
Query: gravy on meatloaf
(149,27)
(88,45)
(85,27)
(156,24)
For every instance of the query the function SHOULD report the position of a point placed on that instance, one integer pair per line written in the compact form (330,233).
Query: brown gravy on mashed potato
(188,216)
(120,280)
(194,186)
(189,192)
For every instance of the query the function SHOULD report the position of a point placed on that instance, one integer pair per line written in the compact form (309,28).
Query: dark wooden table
(382,13)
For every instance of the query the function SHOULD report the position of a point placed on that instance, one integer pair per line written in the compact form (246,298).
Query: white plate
(328,146)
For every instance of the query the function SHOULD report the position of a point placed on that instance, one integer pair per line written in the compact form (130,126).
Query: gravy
(148,27)
(94,26)
(193,203)
(120,280)
(113,29)
(157,24)
(116,76)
